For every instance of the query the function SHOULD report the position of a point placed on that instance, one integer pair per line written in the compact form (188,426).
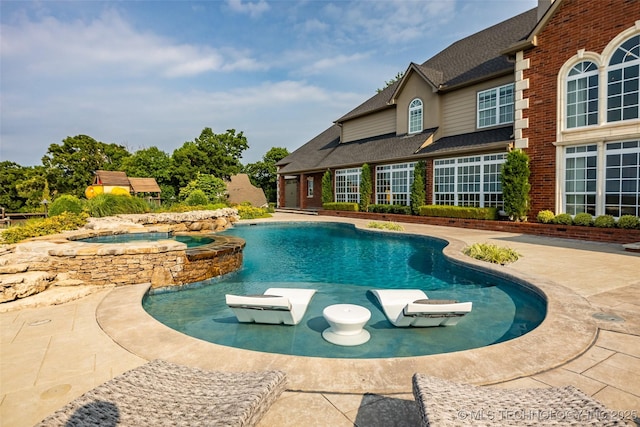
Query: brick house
(578,111)
(462,110)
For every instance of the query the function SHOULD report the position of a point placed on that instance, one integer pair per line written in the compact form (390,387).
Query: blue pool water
(343,264)
(190,240)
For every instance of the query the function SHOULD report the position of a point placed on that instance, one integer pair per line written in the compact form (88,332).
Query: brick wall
(607,235)
(577,24)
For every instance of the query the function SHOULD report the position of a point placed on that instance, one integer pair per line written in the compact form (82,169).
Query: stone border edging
(566,333)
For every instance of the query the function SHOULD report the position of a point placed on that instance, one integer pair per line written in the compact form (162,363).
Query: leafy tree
(392,81)
(264,174)
(213,188)
(197,198)
(215,154)
(148,163)
(366,187)
(10,175)
(33,188)
(418,191)
(71,166)
(327,187)
(515,185)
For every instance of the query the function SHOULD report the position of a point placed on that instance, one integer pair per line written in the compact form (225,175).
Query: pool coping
(567,332)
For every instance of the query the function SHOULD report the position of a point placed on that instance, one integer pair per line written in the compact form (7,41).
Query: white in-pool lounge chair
(276,306)
(412,307)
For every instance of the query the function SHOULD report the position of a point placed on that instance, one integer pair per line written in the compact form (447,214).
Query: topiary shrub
(466,212)
(583,219)
(196,198)
(628,222)
(341,206)
(65,203)
(563,219)
(545,217)
(605,221)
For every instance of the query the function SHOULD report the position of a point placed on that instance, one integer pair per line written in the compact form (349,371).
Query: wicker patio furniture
(446,403)
(161,393)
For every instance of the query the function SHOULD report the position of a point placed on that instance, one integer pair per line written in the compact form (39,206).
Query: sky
(156,73)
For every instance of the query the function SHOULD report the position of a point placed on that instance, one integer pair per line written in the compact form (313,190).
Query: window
(469,181)
(495,106)
(582,95)
(580,179)
(310,187)
(622,181)
(620,178)
(623,81)
(348,185)
(415,116)
(393,184)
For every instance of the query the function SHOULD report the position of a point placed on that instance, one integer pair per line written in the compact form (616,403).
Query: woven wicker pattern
(160,393)
(445,403)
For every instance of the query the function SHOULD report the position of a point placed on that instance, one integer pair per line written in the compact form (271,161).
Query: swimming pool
(343,263)
(190,240)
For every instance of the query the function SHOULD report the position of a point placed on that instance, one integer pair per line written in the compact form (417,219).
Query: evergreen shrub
(605,221)
(563,219)
(628,222)
(545,217)
(65,203)
(583,219)
(459,212)
(341,206)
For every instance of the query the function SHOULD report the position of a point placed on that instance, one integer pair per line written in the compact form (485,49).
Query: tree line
(69,168)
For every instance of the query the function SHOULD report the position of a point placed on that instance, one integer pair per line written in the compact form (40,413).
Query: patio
(51,355)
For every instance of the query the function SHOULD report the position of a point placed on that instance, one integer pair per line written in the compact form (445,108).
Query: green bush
(196,197)
(366,187)
(563,219)
(459,212)
(583,219)
(391,209)
(515,185)
(605,221)
(341,206)
(491,253)
(110,204)
(250,212)
(43,227)
(628,222)
(545,217)
(65,203)
(385,226)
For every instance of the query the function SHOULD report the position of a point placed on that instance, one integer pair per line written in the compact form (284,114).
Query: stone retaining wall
(70,262)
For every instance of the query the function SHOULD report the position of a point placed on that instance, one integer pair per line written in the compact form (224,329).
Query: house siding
(573,27)
(416,87)
(379,123)
(459,107)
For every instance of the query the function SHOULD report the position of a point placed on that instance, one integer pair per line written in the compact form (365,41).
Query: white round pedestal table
(346,322)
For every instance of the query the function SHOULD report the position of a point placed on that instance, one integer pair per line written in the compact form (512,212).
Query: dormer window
(495,106)
(415,116)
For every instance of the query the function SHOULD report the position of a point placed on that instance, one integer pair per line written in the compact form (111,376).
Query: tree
(366,187)
(392,81)
(215,154)
(264,174)
(71,166)
(11,174)
(515,185)
(327,187)
(212,187)
(418,191)
(33,188)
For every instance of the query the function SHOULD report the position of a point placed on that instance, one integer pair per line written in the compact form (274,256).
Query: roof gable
(144,185)
(111,178)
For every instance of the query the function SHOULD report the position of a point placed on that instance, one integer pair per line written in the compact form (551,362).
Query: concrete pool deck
(51,355)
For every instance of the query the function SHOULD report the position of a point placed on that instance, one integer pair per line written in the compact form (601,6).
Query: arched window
(582,95)
(623,82)
(415,116)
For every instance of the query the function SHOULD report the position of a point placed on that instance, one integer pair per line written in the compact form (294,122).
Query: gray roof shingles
(464,62)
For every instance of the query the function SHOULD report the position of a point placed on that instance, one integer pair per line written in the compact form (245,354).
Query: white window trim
(421,108)
(456,162)
(408,167)
(309,187)
(497,106)
(347,172)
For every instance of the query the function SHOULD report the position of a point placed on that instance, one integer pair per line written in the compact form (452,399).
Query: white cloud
(105,44)
(253,9)
(332,62)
